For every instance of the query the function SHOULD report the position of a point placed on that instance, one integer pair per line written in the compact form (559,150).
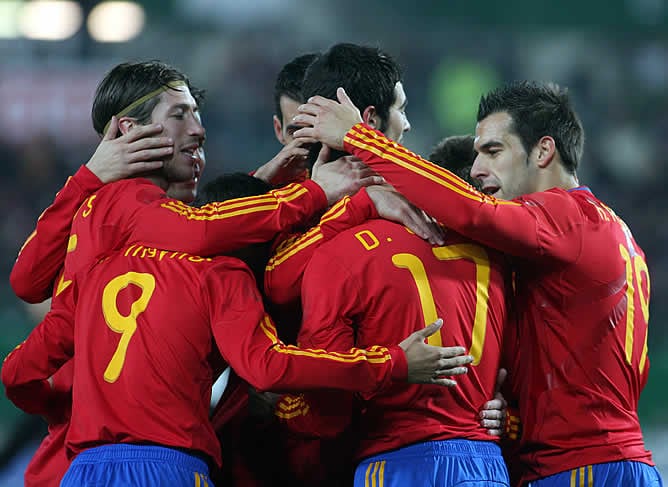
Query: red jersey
(382,283)
(582,290)
(143,370)
(284,271)
(50,462)
(43,253)
(136,210)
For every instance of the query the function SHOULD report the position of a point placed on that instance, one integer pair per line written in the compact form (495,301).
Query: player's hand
(327,120)
(288,165)
(428,364)
(493,413)
(137,151)
(342,177)
(393,206)
(261,405)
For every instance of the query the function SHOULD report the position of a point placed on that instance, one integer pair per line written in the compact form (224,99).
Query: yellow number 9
(126,325)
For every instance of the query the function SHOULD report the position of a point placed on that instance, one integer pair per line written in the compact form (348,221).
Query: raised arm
(530,227)
(43,253)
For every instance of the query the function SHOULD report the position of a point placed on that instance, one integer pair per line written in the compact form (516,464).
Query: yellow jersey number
(125,325)
(471,252)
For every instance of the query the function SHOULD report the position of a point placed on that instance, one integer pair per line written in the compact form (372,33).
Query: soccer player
(144,364)
(582,284)
(377,270)
(41,258)
(289,165)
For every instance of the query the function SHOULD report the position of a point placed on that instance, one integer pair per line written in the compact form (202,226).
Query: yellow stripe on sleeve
(374,355)
(417,165)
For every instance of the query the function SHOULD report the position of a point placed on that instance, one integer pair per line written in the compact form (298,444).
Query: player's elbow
(25,289)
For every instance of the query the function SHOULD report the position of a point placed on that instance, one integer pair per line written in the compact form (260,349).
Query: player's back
(586,321)
(143,343)
(394,283)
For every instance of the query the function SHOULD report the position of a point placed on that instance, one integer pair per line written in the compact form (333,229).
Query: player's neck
(556,176)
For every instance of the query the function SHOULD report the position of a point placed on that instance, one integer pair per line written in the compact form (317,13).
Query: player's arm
(215,228)
(43,252)
(533,226)
(284,271)
(326,325)
(27,370)
(247,339)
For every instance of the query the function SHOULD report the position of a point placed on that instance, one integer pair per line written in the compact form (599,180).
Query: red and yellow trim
(373,355)
(365,138)
(238,206)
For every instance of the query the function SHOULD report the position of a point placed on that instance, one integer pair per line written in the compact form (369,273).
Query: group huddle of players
(401,290)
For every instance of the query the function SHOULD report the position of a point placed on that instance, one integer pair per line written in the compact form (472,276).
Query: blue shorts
(613,474)
(461,463)
(136,465)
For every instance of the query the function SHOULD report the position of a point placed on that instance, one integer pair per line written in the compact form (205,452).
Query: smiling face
(179,115)
(502,166)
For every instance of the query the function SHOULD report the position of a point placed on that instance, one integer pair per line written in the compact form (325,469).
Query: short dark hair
(230,186)
(128,82)
(239,185)
(539,109)
(456,154)
(368,75)
(289,80)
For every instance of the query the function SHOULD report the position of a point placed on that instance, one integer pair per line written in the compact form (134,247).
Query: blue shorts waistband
(123,452)
(469,448)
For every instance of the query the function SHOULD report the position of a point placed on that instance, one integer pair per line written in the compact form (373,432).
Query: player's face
(184,190)
(285,128)
(397,122)
(179,115)
(502,165)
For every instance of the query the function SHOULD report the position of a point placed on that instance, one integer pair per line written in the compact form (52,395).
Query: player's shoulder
(125,187)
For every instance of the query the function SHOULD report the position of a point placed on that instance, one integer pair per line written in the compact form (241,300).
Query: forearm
(509,226)
(224,227)
(257,355)
(43,253)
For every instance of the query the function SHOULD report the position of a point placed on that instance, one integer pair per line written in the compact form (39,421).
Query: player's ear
(278,130)
(545,151)
(370,117)
(125,124)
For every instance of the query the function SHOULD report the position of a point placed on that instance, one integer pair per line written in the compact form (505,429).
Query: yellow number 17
(475,254)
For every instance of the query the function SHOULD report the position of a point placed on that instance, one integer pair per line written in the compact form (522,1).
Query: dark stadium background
(613,54)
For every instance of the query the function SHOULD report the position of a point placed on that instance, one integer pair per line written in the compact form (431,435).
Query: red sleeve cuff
(319,196)
(399,363)
(86,180)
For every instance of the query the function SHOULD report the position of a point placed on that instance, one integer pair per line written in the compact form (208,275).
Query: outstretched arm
(532,226)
